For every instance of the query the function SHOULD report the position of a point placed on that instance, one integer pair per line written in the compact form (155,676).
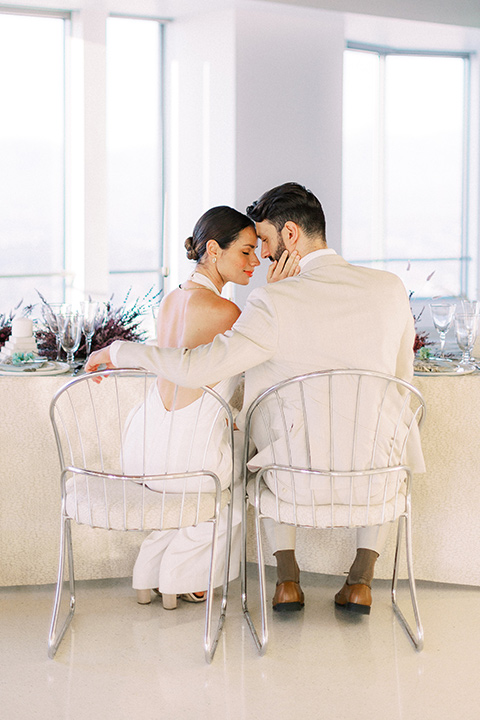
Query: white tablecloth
(30,496)
(446,499)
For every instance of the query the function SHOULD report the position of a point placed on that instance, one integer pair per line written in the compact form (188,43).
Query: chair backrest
(337,439)
(128,464)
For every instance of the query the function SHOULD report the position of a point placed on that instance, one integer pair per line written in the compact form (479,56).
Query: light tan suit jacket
(331,315)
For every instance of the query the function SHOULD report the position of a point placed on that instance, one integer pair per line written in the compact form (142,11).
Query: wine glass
(70,329)
(50,314)
(466,328)
(92,315)
(471,307)
(442,316)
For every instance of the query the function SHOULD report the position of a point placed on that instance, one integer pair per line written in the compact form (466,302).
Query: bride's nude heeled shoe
(143,597)
(169,602)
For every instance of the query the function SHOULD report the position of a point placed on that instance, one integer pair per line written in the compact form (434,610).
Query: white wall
(289,107)
(200,114)
(255,100)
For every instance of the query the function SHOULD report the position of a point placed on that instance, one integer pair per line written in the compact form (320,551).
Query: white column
(86,209)
(200,143)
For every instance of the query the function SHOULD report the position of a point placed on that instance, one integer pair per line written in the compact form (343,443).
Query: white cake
(21,340)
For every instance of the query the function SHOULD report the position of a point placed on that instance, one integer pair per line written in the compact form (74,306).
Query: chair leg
(261,643)
(243,557)
(210,645)
(417,639)
(66,554)
(228,553)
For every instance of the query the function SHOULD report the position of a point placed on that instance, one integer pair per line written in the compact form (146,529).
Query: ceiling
(458,12)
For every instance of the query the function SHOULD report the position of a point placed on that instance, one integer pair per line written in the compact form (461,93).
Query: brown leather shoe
(288,596)
(356,598)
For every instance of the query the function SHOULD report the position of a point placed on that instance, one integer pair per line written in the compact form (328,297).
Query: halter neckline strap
(200,279)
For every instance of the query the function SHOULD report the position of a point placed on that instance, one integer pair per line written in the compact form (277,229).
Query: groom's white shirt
(331,315)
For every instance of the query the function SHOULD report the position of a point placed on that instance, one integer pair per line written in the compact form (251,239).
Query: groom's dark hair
(290,201)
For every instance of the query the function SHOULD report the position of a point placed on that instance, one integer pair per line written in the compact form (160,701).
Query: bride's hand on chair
(286,267)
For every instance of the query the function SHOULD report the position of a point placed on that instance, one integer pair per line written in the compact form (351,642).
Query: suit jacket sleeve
(251,341)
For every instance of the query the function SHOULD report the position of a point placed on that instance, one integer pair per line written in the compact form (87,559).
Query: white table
(30,495)
(446,499)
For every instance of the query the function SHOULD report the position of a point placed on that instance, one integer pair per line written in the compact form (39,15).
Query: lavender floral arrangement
(5,328)
(421,338)
(116,323)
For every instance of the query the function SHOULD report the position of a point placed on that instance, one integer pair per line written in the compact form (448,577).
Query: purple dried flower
(117,323)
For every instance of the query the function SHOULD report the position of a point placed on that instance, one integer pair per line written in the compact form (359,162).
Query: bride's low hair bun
(192,253)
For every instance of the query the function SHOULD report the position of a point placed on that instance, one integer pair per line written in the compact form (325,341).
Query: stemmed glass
(442,315)
(50,314)
(466,328)
(92,316)
(70,329)
(471,307)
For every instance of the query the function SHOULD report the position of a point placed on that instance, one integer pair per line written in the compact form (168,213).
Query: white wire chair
(334,447)
(89,419)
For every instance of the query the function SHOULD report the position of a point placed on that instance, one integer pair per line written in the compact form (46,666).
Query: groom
(331,315)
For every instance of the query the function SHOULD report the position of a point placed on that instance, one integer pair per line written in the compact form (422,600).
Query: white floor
(122,660)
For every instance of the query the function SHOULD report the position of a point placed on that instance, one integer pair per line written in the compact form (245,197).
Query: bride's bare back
(190,316)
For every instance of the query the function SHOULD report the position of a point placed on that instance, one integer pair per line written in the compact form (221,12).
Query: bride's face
(237,263)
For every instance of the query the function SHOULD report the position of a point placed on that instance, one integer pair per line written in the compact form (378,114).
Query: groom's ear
(290,235)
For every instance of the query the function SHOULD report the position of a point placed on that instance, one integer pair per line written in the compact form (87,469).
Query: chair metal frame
(404,518)
(65,562)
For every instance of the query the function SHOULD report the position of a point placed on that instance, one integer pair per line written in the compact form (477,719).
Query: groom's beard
(280,249)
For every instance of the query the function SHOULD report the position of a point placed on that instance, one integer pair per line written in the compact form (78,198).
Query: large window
(405,172)
(32,158)
(81,148)
(135,155)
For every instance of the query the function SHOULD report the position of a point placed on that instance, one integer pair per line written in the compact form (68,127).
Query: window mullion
(163,210)
(379,242)
(464,269)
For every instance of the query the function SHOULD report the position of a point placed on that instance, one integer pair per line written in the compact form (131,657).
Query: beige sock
(287,568)
(363,567)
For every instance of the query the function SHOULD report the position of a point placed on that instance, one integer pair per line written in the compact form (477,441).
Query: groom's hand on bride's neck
(286,266)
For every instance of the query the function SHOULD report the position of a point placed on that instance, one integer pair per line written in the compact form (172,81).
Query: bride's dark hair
(222,224)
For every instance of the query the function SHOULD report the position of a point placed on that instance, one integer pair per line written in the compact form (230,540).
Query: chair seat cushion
(328,515)
(127,505)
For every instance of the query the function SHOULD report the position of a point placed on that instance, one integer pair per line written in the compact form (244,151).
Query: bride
(175,563)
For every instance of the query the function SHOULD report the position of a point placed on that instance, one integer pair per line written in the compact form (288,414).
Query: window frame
(161,270)
(66,16)
(85,268)
(465,258)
